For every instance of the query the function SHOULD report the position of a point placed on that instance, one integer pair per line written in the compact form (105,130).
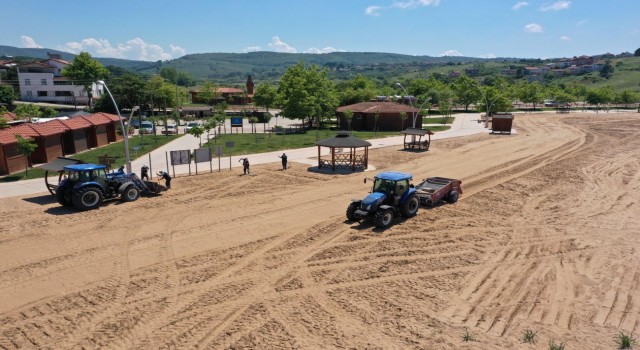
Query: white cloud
(252,49)
(565,38)
(411,4)
(520,5)
(533,28)
(582,23)
(29,43)
(451,53)
(556,6)
(136,49)
(372,11)
(324,50)
(489,55)
(280,46)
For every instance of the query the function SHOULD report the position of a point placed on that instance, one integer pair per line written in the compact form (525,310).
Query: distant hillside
(135,66)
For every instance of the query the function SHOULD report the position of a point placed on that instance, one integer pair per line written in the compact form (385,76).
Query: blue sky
(166,29)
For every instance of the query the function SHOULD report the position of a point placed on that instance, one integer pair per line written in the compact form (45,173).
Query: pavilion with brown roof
(389,116)
(341,159)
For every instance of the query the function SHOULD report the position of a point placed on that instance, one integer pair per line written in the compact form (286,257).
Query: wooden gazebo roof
(340,159)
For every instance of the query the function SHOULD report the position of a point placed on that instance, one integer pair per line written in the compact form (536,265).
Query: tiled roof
(49,128)
(76,123)
(112,117)
(10,116)
(228,90)
(381,107)
(7,136)
(96,119)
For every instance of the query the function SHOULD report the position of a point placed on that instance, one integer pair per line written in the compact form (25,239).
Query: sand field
(545,237)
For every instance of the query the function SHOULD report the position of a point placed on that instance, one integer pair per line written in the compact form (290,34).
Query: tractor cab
(86,173)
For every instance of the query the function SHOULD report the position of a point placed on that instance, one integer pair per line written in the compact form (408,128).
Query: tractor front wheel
(383,218)
(87,198)
(130,194)
(351,212)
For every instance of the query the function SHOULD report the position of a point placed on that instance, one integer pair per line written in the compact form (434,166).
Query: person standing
(144,172)
(284,161)
(245,165)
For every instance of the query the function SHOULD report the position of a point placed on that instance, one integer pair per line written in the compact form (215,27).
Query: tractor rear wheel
(87,198)
(63,196)
(453,197)
(351,211)
(383,218)
(130,194)
(410,207)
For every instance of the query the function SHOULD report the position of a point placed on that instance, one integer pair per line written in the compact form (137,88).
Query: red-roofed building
(46,137)
(364,114)
(103,129)
(229,94)
(76,138)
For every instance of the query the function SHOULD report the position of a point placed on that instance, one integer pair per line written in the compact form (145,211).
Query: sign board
(236,121)
(106,160)
(203,155)
(229,144)
(180,157)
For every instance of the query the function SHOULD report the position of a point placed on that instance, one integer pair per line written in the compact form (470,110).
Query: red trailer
(434,189)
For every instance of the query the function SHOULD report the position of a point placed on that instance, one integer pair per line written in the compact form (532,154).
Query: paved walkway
(463,125)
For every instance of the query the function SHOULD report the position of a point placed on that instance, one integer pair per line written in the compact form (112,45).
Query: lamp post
(125,132)
(411,102)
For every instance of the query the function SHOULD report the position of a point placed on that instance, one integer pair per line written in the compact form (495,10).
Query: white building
(43,82)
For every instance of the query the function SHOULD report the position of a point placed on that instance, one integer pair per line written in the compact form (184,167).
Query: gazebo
(340,158)
(416,141)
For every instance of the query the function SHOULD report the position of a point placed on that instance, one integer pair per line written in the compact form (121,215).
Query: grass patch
(438,120)
(529,336)
(625,341)
(261,143)
(554,346)
(145,144)
(468,336)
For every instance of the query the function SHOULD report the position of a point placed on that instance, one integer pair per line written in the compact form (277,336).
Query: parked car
(169,129)
(190,126)
(147,128)
(135,123)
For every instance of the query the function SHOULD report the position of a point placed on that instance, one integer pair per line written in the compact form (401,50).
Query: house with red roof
(389,116)
(229,94)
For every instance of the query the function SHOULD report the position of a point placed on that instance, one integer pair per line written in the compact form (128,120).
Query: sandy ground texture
(545,238)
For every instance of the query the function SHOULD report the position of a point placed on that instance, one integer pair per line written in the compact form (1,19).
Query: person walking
(245,165)
(284,161)
(166,177)
(144,172)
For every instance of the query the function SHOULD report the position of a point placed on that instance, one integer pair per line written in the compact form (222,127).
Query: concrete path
(463,125)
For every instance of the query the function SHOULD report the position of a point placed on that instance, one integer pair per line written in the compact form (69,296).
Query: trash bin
(502,123)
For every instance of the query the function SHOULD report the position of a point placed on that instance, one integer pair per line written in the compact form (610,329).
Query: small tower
(249,86)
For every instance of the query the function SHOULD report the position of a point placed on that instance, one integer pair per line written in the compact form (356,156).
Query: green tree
(637,53)
(7,95)
(607,70)
(358,89)
(306,93)
(627,97)
(208,92)
(447,100)
(530,93)
(196,131)
(3,123)
(85,71)
(160,92)
(348,116)
(265,95)
(49,112)
(466,90)
(28,111)
(25,147)
(403,117)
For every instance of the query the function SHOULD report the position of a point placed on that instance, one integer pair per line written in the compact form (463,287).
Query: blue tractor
(392,196)
(86,186)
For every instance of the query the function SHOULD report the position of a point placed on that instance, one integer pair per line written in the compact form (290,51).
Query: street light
(487,105)
(415,114)
(125,132)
